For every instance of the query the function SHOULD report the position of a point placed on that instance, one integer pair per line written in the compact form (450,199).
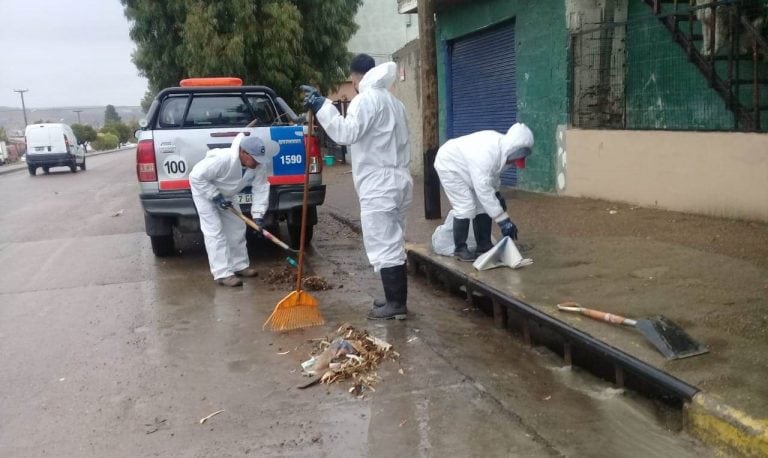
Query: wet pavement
(112,352)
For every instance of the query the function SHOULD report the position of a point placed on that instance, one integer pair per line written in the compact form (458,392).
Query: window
(218,111)
(264,111)
(172,111)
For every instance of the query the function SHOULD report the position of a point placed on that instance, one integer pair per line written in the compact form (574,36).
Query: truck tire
(32,170)
(162,245)
(73,166)
(294,232)
(82,166)
(46,170)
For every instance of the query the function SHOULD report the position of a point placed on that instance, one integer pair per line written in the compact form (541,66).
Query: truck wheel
(46,170)
(73,166)
(32,170)
(162,245)
(82,166)
(294,232)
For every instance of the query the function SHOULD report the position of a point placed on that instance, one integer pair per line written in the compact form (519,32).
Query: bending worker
(214,181)
(376,130)
(470,170)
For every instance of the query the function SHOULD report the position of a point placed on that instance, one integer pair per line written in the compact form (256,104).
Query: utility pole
(429,134)
(23,107)
(78,115)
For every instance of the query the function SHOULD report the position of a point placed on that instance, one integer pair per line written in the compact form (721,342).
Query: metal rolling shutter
(483,91)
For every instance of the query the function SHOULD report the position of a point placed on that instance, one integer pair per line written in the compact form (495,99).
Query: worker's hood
(379,77)
(516,143)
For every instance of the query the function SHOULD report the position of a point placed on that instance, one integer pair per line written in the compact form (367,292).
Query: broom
(298,309)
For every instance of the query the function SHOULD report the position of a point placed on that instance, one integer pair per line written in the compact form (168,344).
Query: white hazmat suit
(377,131)
(221,172)
(470,168)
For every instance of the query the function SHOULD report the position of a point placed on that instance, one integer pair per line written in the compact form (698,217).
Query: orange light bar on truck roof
(218,81)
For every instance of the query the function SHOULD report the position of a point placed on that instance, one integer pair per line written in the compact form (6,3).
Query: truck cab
(184,122)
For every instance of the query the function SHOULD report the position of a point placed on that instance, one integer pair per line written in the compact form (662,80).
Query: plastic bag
(442,238)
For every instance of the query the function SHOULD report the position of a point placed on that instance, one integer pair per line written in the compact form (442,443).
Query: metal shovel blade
(669,338)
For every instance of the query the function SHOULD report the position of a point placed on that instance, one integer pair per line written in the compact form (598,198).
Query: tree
(110,115)
(278,43)
(3,135)
(105,141)
(84,133)
(119,130)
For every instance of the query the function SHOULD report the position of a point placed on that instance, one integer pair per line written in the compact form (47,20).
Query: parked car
(184,122)
(52,145)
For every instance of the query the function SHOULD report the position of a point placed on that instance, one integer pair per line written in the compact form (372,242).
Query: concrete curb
(706,417)
(23,165)
(720,425)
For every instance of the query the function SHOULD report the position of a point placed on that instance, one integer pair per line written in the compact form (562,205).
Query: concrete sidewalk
(709,275)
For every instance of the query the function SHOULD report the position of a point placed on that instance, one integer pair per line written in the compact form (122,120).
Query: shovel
(666,336)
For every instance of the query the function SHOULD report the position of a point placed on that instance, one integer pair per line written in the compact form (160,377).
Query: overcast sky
(67,53)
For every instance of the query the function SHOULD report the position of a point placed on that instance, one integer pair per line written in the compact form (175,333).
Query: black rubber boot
(395,282)
(481,226)
(460,234)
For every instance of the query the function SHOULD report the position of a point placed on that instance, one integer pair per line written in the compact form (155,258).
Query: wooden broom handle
(594,314)
(305,199)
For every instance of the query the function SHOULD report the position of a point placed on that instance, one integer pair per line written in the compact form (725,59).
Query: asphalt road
(109,351)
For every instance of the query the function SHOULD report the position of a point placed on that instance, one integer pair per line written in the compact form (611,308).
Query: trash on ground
(504,253)
(284,352)
(316,283)
(118,213)
(286,275)
(352,354)
(207,417)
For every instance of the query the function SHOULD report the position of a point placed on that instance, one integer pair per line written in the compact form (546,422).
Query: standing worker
(377,131)
(214,181)
(470,170)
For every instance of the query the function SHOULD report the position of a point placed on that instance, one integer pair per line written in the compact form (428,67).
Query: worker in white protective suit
(377,131)
(214,181)
(470,169)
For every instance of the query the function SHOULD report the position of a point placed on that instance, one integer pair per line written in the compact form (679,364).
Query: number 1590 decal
(290,159)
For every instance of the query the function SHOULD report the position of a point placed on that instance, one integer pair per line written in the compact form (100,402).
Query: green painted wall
(541,49)
(664,90)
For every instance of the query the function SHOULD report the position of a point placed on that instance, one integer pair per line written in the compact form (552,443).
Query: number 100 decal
(175,167)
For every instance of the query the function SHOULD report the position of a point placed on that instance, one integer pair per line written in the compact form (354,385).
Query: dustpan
(299,308)
(504,253)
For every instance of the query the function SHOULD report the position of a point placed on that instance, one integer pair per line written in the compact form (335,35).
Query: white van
(53,145)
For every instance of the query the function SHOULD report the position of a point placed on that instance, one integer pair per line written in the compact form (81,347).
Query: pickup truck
(184,122)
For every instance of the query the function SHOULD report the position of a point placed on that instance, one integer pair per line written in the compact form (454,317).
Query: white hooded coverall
(377,131)
(221,172)
(470,169)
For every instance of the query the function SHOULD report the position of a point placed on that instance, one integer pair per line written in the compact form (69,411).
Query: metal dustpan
(667,337)
(504,253)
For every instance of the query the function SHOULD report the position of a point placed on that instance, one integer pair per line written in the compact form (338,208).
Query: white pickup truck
(184,122)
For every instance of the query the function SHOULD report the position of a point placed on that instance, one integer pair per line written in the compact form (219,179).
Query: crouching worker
(470,169)
(214,181)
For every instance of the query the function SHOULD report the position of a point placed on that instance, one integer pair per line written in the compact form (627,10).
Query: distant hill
(12,118)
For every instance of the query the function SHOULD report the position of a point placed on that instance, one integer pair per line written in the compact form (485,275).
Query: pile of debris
(352,355)
(287,276)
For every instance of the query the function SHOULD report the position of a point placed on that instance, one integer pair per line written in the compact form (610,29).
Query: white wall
(382,29)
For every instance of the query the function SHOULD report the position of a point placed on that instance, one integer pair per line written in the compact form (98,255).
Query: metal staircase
(741,79)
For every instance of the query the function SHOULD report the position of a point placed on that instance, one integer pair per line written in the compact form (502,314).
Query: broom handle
(595,314)
(305,199)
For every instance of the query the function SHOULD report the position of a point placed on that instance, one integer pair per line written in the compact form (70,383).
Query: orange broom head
(297,310)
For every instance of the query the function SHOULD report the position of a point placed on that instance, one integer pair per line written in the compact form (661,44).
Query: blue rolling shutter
(483,94)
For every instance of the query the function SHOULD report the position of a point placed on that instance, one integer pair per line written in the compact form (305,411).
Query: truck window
(263,110)
(172,111)
(218,111)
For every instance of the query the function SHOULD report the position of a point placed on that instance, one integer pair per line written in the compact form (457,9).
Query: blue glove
(222,203)
(508,228)
(259,222)
(312,98)
(501,200)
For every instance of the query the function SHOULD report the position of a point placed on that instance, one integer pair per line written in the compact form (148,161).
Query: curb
(720,425)
(22,166)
